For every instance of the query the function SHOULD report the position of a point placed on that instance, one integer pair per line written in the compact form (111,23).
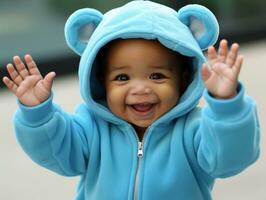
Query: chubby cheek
(115,99)
(169,95)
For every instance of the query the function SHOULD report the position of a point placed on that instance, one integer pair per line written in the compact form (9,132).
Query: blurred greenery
(225,8)
(248,8)
(68,6)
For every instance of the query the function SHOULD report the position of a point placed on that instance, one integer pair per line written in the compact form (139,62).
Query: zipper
(140,154)
(140,150)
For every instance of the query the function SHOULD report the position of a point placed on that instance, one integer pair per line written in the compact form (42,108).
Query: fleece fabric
(184,151)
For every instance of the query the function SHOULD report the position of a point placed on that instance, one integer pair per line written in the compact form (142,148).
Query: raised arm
(227,138)
(50,136)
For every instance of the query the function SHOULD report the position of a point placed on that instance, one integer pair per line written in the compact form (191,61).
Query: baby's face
(141,80)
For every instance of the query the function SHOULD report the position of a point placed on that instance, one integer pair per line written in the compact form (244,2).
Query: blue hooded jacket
(182,152)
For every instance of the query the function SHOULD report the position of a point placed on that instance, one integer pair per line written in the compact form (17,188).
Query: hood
(188,31)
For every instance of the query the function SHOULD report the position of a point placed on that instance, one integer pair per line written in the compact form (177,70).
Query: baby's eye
(157,76)
(122,77)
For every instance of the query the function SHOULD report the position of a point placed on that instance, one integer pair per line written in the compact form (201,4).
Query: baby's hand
(221,78)
(27,83)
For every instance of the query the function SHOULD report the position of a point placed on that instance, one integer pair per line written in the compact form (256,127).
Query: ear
(202,23)
(79,28)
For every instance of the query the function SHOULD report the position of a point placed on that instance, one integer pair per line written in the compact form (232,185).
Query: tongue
(142,107)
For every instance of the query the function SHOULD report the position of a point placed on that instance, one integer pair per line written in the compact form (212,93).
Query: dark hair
(101,62)
(186,71)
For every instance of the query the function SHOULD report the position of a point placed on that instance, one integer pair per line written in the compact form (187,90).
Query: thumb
(48,80)
(205,72)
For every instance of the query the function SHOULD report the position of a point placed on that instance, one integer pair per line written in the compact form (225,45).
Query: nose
(140,87)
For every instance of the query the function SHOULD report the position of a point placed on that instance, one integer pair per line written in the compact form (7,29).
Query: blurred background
(37,27)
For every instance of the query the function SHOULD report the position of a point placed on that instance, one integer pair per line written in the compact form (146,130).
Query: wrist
(230,96)
(36,114)
(225,107)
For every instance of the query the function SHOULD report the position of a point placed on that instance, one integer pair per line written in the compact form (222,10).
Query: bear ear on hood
(80,26)
(202,23)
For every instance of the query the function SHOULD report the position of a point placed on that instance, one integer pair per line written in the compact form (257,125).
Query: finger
(223,50)
(14,75)
(22,70)
(231,58)
(212,55)
(238,64)
(33,69)
(48,80)
(10,84)
(205,72)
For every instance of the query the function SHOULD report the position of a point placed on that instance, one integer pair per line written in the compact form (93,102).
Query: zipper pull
(140,150)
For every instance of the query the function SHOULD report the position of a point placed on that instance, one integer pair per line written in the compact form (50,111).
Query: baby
(139,133)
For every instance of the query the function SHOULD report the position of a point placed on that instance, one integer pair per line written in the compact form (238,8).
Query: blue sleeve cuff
(36,114)
(226,107)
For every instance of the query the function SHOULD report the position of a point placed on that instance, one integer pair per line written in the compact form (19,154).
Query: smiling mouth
(143,109)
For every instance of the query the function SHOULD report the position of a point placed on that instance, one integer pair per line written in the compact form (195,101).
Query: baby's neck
(140,131)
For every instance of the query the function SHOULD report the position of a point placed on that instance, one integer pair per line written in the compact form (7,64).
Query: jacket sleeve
(227,138)
(53,138)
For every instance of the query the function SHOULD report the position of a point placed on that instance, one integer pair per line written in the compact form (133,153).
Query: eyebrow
(163,67)
(117,68)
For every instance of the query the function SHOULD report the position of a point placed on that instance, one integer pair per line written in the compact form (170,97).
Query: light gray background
(21,179)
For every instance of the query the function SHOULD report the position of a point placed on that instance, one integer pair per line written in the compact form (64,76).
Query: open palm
(27,83)
(222,76)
